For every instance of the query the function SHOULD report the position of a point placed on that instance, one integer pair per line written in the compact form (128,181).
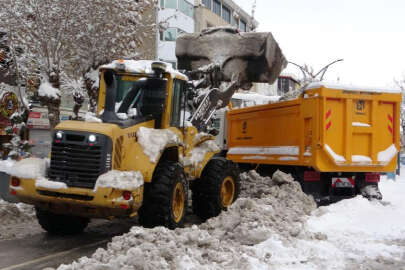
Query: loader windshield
(141,97)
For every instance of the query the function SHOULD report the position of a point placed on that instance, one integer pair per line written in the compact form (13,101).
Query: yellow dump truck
(334,139)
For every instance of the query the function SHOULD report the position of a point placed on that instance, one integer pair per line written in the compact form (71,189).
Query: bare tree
(309,74)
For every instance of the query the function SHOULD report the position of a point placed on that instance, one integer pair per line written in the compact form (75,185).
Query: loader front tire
(217,189)
(165,198)
(60,224)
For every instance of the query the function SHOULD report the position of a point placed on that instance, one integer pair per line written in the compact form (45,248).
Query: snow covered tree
(114,29)
(72,37)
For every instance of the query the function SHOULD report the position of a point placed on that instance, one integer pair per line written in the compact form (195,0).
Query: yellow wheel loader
(138,158)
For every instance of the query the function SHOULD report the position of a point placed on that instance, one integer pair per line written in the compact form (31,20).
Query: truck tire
(60,224)
(165,198)
(217,189)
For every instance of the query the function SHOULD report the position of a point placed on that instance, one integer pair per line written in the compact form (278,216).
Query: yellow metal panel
(349,122)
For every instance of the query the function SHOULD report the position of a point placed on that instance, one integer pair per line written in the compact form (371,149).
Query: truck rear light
(312,176)
(373,177)
(127,195)
(15,182)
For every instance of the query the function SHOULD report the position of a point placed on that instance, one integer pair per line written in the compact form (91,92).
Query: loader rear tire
(217,189)
(61,224)
(165,198)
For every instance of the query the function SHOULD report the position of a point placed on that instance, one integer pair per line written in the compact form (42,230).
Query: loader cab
(127,98)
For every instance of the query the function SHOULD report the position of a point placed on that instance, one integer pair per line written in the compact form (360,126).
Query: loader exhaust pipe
(109,114)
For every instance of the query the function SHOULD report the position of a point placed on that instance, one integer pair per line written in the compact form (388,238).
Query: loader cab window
(176,117)
(141,98)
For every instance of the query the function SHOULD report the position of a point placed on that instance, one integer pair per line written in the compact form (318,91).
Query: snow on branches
(65,37)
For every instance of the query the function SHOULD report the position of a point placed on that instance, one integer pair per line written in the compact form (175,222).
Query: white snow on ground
(153,141)
(277,207)
(269,228)
(47,90)
(124,180)
(12,216)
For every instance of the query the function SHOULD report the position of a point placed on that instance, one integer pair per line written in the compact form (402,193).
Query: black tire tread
(206,191)
(157,202)
(61,224)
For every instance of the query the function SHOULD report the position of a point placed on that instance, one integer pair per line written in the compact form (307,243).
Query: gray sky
(368,34)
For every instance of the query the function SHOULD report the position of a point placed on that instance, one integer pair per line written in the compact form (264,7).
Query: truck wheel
(217,189)
(165,198)
(60,224)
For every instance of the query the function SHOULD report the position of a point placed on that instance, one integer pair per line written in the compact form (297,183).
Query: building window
(207,4)
(171,4)
(186,8)
(242,25)
(217,8)
(162,3)
(226,14)
(170,34)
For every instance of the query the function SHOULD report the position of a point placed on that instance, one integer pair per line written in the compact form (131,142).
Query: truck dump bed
(329,128)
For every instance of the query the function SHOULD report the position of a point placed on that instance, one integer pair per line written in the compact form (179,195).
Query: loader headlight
(92,138)
(59,135)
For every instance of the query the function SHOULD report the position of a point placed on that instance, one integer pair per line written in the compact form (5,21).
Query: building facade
(213,13)
(175,17)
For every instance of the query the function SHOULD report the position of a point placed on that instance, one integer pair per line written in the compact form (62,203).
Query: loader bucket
(245,57)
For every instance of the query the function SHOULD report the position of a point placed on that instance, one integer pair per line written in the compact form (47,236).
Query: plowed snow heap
(248,57)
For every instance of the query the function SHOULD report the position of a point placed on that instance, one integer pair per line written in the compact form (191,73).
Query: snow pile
(124,180)
(153,141)
(47,90)
(225,242)
(199,152)
(29,168)
(92,118)
(11,213)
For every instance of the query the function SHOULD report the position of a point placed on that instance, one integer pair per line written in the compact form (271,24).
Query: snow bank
(47,90)
(228,241)
(153,141)
(11,213)
(28,168)
(124,180)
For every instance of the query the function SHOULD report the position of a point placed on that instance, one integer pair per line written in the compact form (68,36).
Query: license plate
(343,182)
